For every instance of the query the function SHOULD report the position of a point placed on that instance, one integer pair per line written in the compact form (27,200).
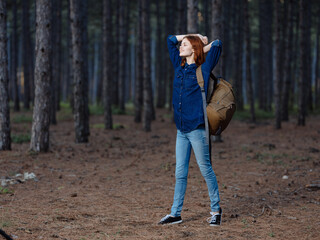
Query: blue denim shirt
(186,99)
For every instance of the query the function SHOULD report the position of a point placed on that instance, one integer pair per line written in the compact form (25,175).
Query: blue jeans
(196,140)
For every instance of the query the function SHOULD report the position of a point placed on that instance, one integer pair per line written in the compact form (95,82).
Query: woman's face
(185,48)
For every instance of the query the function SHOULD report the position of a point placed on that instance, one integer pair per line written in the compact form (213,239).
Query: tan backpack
(219,106)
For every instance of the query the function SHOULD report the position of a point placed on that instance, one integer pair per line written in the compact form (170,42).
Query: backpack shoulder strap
(200,77)
(204,102)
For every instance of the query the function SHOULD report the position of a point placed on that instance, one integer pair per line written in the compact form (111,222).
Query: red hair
(197,46)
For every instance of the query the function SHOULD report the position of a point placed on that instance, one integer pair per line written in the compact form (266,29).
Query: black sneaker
(170,220)
(215,219)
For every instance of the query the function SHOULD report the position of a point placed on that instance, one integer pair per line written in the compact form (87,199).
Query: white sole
(172,223)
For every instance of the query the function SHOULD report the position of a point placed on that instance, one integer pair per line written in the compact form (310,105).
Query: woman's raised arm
(204,39)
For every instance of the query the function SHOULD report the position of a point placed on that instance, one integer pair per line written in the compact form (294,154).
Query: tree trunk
(238,54)
(293,98)
(192,16)
(160,86)
(70,81)
(84,14)
(57,54)
(181,17)
(41,111)
(25,52)
(115,44)
(309,101)
(287,62)
(248,60)
(277,80)
(107,69)
(169,29)
(56,39)
(265,55)
(95,74)
(122,56)
(224,70)
(14,58)
(302,85)
(146,59)
(81,116)
(5,140)
(317,77)
(207,17)
(216,28)
(139,69)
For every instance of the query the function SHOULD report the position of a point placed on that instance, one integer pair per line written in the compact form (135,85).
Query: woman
(189,118)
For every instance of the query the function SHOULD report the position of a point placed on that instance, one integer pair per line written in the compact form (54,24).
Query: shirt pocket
(191,82)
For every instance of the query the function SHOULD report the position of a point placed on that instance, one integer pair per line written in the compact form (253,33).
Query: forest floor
(120,184)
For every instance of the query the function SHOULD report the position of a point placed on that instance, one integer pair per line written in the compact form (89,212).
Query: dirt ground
(120,184)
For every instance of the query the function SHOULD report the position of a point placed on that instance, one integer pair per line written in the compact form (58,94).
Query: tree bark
(277,80)
(238,54)
(207,17)
(25,52)
(139,68)
(302,85)
(160,80)
(122,54)
(265,55)
(107,57)
(146,56)
(287,62)
(81,116)
(57,54)
(225,39)
(69,73)
(216,28)
(5,140)
(169,29)
(309,98)
(181,16)
(41,111)
(115,44)
(14,58)
(248,60)
(192,16)
(317,77)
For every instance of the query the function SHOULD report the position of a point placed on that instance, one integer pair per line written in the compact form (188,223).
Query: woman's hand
(204,39)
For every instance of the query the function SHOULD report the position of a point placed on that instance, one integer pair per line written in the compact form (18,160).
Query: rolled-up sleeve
(173,51)
(213,56)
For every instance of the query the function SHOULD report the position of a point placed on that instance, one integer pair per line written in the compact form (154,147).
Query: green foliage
(4,224)
(22,119)
(96,109)
(271,234)
(20,138)
(5,191)
(98,125)
(65,112)
(245,115)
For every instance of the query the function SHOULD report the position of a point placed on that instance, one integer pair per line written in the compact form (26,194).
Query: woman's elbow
(217,43)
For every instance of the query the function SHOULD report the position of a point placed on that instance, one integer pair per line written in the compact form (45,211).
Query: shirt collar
(192,65)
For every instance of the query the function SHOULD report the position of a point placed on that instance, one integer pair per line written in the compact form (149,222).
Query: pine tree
(41,111)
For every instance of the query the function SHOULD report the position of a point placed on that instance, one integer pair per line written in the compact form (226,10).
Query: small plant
(4,224)
(245,223)
(117,126)
(22,119)
(271,234)
(98,125)
(5,191)
(20,138)
(96,109)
